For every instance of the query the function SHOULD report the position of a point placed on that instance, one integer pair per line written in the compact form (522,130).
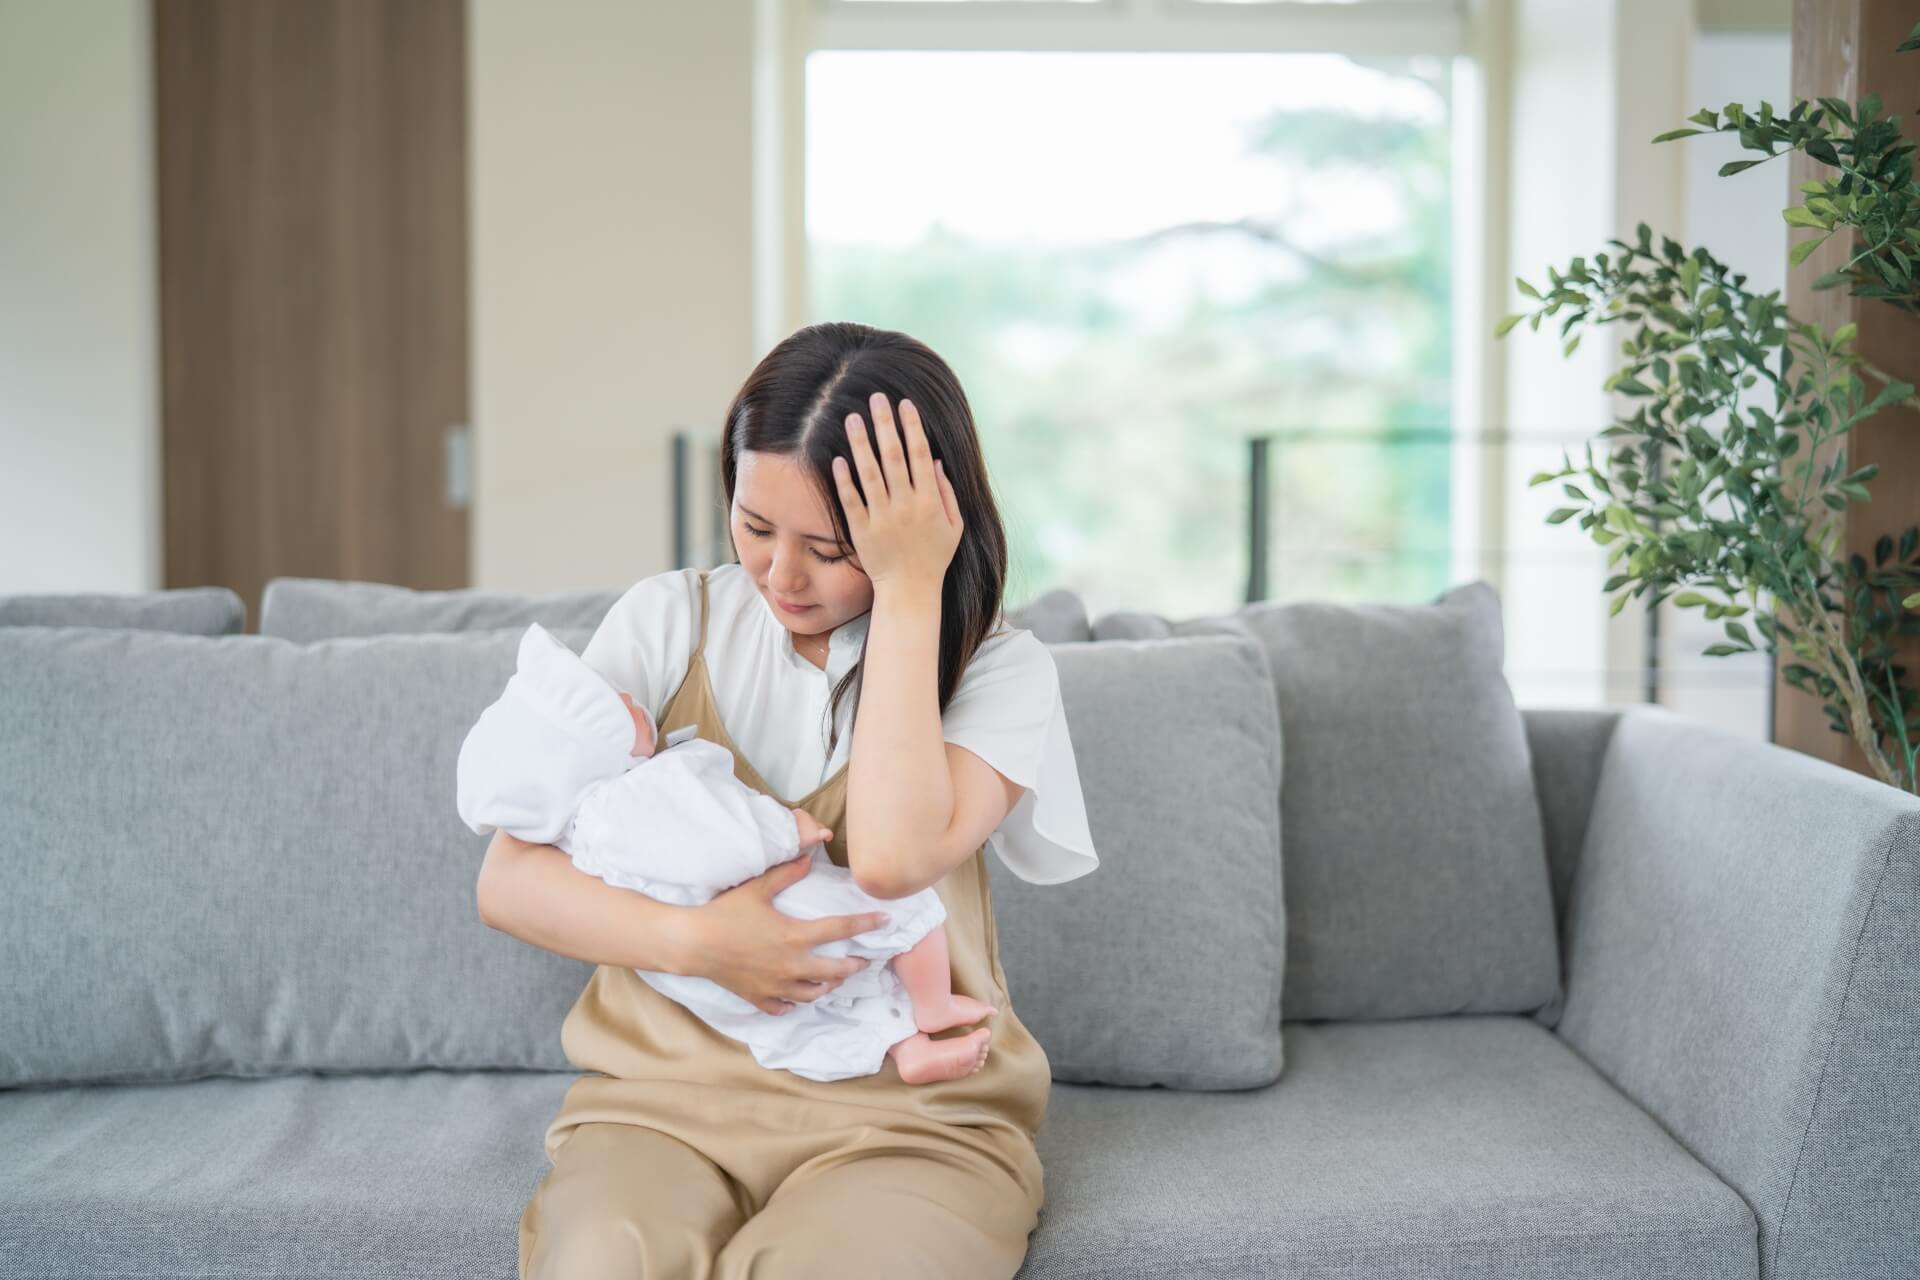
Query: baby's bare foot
(958,1011)
(922,1059)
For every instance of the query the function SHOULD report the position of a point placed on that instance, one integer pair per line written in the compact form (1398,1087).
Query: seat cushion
(1416,871)
(1469,1146)
(420,1174)
(1432,1147)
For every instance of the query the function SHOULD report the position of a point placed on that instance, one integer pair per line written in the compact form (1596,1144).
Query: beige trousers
(623,1202)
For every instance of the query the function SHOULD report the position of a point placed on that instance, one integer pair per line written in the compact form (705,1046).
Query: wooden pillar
(1845,49)
(311,181)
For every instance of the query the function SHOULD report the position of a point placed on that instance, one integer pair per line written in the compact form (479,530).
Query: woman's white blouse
(773,704)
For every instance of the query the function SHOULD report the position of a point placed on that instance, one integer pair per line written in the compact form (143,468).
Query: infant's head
(643,738)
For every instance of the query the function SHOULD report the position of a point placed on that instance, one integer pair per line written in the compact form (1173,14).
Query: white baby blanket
(550,762)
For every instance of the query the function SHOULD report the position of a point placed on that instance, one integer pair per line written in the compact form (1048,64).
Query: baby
(564,758)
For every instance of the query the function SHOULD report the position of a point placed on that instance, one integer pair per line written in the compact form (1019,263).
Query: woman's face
(783,534)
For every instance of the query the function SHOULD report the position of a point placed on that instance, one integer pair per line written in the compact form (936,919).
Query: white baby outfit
(548,762)
(775,705)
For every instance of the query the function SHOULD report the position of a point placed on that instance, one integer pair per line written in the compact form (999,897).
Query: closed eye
(767,533)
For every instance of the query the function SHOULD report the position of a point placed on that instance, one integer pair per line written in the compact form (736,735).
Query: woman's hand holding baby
(765,956)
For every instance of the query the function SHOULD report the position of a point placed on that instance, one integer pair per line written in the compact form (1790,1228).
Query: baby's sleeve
(1008,712)
(517,772)
(554,731)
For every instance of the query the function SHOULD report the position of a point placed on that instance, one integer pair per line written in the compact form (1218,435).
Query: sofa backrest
(1567,747)
(239,854)
(308,609)
(196,611)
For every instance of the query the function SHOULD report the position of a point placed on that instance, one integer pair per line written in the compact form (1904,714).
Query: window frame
(1363,28)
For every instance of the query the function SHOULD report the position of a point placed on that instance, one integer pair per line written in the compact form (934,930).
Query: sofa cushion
(199,611)
(1424,1148)
(307,609)
(1418,1148)
(417,1174)
(1417,879)
(1164,966)
(240,855)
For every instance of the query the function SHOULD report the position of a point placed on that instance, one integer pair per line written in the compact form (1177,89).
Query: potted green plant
(1731,397)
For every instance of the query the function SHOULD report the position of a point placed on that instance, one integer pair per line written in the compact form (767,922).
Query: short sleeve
(1008,712)
(645,641)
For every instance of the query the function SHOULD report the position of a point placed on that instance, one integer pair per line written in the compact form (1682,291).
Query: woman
(869,559)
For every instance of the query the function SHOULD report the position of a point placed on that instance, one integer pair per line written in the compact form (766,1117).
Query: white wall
(1591,83)
(613,280)
(1738,221)
(79,418)
(613,253)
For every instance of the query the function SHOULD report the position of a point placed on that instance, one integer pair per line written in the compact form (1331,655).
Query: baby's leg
(921,1059)
(928,976)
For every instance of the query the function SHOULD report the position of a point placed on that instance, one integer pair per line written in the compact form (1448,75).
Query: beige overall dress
(684,1157)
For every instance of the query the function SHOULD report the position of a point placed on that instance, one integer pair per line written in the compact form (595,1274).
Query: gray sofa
(1406,981)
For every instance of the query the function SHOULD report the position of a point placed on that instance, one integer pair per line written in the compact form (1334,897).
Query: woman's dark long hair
(795,404)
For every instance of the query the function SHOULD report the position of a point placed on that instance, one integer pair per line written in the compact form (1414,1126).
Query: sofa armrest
(1743,942)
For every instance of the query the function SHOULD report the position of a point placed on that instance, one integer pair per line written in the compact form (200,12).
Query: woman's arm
(899,786)
(739,940)
(913,808)
(920,804)
(535,893)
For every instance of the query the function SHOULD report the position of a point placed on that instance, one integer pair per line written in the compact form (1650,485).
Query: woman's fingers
(864,462)
(919,452)
(893,459)
(949,500)
(834,928)
(850,500)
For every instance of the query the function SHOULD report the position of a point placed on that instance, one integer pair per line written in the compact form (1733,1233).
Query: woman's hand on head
(765,956)
(907,525)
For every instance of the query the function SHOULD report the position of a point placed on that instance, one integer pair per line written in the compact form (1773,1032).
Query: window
(1138,263)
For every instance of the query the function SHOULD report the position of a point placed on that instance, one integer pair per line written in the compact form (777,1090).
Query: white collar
(843,645)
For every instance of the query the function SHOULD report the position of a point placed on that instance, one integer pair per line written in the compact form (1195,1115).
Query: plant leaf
(1798,254)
